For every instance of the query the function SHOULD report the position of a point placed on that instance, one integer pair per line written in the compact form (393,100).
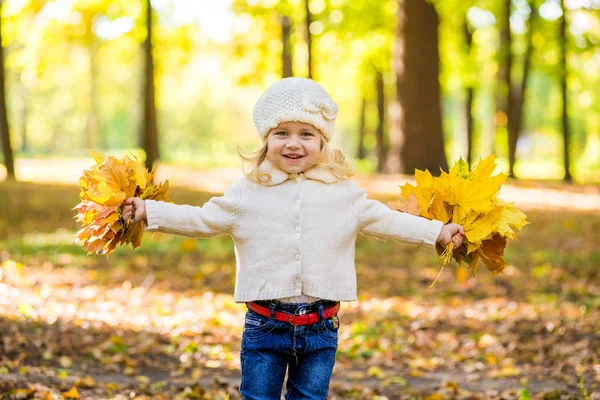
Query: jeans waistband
(295,307)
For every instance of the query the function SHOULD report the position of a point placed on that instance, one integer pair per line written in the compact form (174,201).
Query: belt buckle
(290,320)
(296,315)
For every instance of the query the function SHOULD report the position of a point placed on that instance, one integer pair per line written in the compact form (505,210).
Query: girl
(294,218)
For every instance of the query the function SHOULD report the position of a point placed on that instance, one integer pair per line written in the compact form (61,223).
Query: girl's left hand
(454,232)
(134,210)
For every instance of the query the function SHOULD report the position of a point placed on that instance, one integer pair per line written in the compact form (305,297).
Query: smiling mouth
(293,156)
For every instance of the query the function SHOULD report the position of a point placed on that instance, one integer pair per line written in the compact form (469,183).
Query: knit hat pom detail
(327,108)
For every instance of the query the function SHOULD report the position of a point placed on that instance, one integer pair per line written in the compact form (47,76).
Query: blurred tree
(365,31)
(504,56)
(464,76)
(149,129)
(562,39)
(286,54)
(91,45)
(23,119)
(468,37)
(4,131)
(20,62)
(517,100)
(361,151)
(82,35)
(417,141)
(379,136)
(307,23)
(260,50)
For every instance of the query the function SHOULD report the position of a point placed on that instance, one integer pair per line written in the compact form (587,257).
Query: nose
(293,142)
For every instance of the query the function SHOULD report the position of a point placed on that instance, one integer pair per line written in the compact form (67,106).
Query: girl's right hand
(134,210)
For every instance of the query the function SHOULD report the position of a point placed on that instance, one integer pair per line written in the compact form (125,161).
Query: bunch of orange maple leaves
(103,190)
(470,198)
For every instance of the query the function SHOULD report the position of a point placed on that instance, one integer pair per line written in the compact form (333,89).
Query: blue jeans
(269,347)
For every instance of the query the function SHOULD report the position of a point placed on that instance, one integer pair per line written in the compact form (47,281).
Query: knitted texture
(295,237)
(295,100)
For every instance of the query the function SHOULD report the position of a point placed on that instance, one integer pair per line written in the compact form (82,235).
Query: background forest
(442,79)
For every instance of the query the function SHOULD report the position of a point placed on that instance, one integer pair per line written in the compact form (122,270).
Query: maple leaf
(425,184)
(470,198)
(439,208)
(410,205)
(480,228)
(71,394)
(475,190)
(492,253)
(510,220)
(103,189)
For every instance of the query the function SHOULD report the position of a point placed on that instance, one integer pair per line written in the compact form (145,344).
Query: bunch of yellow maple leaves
(103,190)
(470,198)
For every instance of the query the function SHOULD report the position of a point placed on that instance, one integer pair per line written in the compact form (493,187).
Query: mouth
(293,156)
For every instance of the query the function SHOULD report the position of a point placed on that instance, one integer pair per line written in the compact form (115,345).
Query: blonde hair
(329,157)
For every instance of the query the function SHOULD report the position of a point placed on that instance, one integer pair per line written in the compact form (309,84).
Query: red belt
(294,319)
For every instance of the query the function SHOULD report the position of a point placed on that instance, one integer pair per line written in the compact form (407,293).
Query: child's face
(294,147)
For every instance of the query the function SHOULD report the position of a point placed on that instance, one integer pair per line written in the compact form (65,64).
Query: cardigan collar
(278,176)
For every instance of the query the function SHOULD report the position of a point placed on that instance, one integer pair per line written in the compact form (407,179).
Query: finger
(457,240)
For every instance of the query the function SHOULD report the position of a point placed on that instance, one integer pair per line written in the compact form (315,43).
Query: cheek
(314,149)
(273,147)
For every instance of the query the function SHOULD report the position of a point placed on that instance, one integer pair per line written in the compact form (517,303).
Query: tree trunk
(286,55)
(380,145)
(417,141)
(503,91)
(517,103)
(470,94)
(24,113)
(149,125)
(360,153)
(309,39)
(4,131)
(562,38)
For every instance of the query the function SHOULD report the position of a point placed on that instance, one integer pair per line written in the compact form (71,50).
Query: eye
(307,134)
(281,133)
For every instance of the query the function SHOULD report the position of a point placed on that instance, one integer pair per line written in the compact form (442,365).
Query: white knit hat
(295,100)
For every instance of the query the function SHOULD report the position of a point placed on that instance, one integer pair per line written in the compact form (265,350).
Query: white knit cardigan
(295,235)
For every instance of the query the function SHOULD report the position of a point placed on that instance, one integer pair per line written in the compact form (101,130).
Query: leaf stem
(438,275)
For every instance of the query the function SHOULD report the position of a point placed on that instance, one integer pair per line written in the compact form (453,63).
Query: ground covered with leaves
(160,322)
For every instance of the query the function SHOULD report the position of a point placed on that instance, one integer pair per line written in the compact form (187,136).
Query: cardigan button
(298,229)
(298,257)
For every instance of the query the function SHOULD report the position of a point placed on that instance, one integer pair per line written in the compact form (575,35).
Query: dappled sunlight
(396,341)
(71,295)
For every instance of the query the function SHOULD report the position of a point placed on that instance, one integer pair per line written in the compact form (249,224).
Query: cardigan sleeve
(216,217)
(381,222)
